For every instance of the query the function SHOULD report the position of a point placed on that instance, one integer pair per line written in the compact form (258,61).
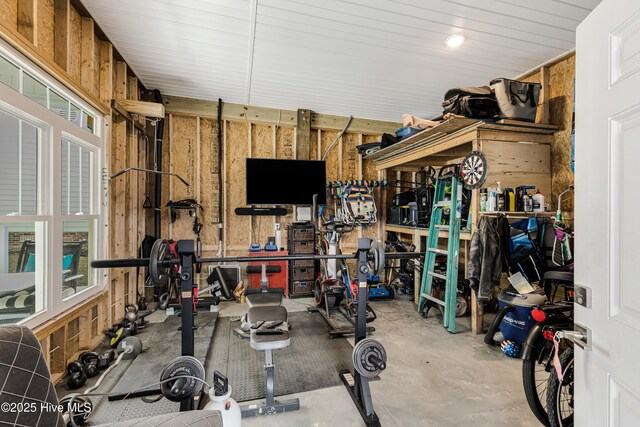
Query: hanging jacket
(488,255)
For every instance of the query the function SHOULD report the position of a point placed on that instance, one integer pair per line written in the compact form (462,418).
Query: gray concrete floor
(433,378)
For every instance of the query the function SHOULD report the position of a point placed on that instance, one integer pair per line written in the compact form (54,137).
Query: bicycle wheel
(560,393)
(318,294)
(535,376)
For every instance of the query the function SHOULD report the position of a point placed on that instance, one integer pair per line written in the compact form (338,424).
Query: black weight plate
(361,353)
(160,251)
(375,258)
(182,366)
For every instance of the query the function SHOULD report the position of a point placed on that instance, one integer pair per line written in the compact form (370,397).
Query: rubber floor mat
(311,361)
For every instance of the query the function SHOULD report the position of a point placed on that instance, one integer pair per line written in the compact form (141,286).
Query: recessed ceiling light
(454,41)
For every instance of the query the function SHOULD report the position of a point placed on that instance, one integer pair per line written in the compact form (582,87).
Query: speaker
(253,211)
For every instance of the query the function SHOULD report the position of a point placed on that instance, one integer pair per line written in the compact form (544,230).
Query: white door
(607,378)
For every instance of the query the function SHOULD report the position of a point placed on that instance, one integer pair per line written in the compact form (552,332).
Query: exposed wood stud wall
(63,41)
(241,139)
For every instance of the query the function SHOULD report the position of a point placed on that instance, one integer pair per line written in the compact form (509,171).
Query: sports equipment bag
(516,100)
(472,102)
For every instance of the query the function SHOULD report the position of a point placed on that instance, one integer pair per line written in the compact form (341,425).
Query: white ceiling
(367,58)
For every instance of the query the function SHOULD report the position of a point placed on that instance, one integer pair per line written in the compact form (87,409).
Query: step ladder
(452,252)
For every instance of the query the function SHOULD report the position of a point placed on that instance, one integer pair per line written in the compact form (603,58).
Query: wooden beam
(27,19)
(142,108)
(61,17)
(122,112)
(543,116)
(303,146)
(106,71)
(87,54)
(261,115)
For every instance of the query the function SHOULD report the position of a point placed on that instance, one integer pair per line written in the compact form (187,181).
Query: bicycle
(560,388)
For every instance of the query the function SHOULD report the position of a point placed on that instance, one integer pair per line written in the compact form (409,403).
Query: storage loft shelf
(423,232)
(518,153)
(452,139)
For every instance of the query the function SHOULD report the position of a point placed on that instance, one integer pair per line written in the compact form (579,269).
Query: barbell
(161,263)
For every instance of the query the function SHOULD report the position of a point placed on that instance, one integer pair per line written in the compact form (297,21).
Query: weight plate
(80,406)
(375,258)
(160,251)
(182,388)
(362,356)
(474,170)
(132,344)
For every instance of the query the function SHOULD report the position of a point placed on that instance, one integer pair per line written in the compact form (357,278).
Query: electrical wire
(337,137)
(104,374)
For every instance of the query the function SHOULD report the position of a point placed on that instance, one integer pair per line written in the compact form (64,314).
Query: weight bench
(260,297)
(269,331)
(263,296)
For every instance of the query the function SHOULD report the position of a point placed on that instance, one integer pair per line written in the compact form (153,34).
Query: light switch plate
(582,296)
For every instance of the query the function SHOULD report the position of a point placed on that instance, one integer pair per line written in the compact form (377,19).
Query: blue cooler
(517,323)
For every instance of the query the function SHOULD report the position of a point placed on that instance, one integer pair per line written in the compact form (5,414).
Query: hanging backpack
(516,100)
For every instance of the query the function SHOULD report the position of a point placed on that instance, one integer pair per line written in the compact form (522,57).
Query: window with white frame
(51,152)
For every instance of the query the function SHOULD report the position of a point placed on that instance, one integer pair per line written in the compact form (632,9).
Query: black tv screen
(285,182)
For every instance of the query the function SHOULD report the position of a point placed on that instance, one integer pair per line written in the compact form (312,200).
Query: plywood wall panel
(237,149)
(561,81)
(74,58)
(9,13)
(561,99)
(369,172)
(184,154)
(262,143)
(45,25)
(285,149)
(165,217)
(209,181)
(333,167)
(313,144)
(349,156)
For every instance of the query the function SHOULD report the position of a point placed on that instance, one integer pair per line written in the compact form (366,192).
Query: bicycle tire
(318,295)
(537,400)
(555,390)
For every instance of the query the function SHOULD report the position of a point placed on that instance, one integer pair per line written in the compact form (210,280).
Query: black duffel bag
(472,102)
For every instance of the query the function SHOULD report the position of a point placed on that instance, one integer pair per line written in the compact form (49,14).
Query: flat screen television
(285,182)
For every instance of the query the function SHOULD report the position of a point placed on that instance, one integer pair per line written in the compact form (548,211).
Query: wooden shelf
(518,153)
(453,139)
(424,232)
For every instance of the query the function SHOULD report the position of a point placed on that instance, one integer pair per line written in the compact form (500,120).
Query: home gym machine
(369,356)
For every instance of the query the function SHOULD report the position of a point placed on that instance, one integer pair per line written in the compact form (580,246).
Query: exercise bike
(334,291)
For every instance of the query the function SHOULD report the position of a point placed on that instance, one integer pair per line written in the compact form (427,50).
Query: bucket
(516,324)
